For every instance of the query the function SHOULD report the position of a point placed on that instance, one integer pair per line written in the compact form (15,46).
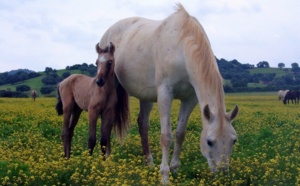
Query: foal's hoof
(103,149)
(150,164)
(90,152)
(149,161)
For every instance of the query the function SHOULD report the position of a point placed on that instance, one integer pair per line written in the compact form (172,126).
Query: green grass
(279,72)
(266,152)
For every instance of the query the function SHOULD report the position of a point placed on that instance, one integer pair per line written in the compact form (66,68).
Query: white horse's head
(217,138)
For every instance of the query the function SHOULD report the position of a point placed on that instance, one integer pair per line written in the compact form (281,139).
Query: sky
(35,34)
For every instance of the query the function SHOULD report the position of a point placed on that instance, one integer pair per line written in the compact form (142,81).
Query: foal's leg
(66,136)
(73,121)
(107,122)
(186,108)
(164,101)
(143,122)
(93,116)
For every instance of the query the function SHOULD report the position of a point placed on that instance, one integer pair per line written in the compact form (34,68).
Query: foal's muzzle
(100,82)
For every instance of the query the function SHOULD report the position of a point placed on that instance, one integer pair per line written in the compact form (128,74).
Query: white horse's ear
(207,113)
(232,114)
(98,49)
(111,47)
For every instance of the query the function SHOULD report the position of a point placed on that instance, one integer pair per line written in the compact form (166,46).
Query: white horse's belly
(143,84)
(137,82)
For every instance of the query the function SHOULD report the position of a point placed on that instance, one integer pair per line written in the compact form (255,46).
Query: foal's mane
(198,50)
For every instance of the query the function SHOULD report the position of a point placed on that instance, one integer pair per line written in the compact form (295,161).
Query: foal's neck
(110,84)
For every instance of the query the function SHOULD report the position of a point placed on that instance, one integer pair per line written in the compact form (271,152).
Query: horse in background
(162,60)
(33,94)
(293,95)
(100,96)
(281,94)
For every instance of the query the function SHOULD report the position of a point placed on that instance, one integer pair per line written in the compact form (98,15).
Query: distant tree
(281,65)
(263,64)
(92,70)
(295,67)
(83,68)
(48,70)
(235,82)
(267,78)
(66,74)
(46,89)
(235,62)
(247,66)
(288,79)
(49,80)
(22,88)
(279,81)
(33,75)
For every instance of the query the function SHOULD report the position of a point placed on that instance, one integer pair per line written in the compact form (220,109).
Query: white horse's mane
(199,51)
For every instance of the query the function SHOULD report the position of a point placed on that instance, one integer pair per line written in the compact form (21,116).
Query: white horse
(281,94)
(158,61)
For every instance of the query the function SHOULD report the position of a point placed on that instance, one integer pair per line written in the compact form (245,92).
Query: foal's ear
(98,49)
(111,48)
(232,114)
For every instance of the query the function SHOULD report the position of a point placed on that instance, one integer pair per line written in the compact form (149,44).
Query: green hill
(277,71)
(35,83)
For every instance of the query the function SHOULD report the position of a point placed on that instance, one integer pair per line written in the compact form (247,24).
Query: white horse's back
(149,52)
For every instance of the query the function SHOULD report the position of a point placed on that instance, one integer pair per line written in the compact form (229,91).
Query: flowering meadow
(267,151)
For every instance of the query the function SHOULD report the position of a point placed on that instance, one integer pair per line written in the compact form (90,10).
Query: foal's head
(105,63)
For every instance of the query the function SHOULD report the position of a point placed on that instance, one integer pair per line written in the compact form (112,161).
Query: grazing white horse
(281,94)
(158,61)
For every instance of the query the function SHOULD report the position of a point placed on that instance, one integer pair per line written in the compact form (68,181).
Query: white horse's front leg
(164,105)
(186,108)
(143,122)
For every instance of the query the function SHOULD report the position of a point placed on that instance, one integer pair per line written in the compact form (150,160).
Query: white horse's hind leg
(164,101)
(143,122)
(186,108)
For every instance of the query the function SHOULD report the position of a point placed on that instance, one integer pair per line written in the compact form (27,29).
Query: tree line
(15,76)
(236,73)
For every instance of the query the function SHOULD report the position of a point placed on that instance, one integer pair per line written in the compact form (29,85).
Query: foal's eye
(209,143)
(109,63)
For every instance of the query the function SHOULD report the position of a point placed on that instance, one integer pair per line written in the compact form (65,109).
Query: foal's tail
(121,124)
(59,105)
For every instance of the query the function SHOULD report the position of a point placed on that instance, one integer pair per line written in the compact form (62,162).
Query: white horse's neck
(210,93)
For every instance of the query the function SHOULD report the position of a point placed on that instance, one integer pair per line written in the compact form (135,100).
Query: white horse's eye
(209,143)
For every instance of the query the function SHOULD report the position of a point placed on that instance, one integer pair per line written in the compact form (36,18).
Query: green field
(267,151)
